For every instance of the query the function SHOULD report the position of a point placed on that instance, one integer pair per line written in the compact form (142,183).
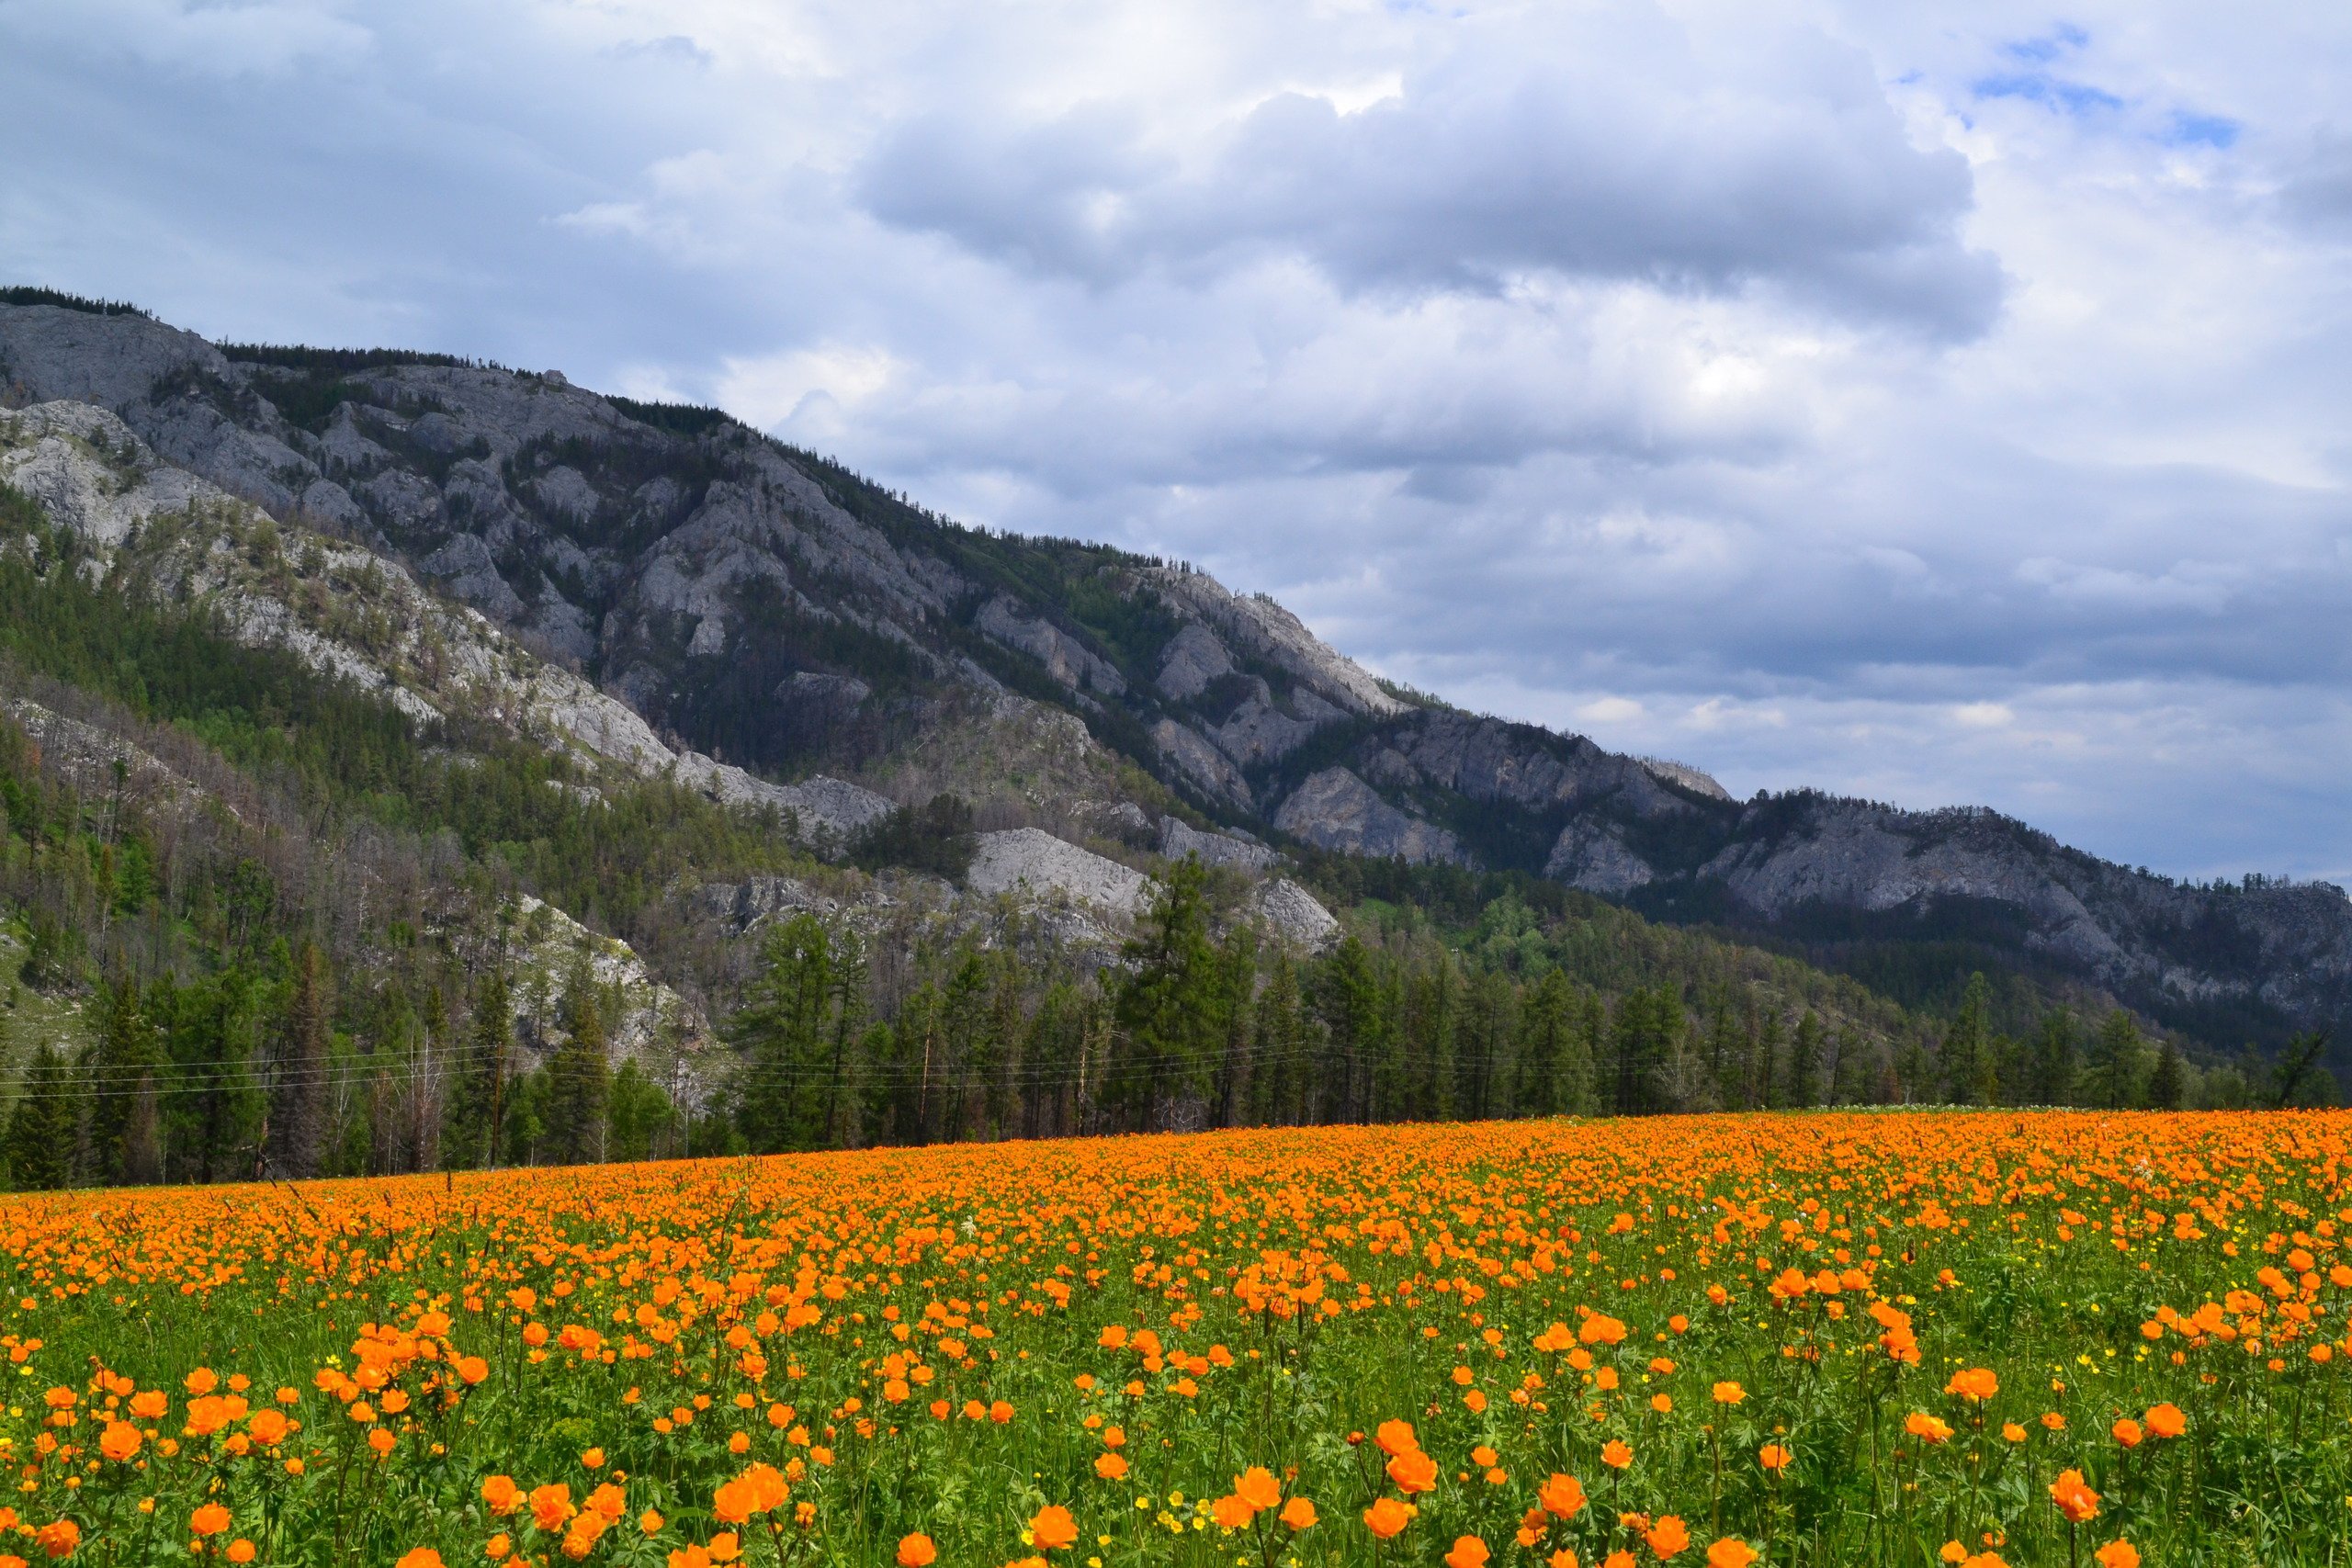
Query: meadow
(1884,1339)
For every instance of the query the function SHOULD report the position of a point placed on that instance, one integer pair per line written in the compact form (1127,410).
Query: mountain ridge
(775,616)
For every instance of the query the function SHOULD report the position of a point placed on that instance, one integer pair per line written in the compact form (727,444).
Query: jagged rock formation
(1026,857)
(660,587)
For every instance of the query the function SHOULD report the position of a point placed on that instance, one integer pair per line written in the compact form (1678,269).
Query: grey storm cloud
(1512,154)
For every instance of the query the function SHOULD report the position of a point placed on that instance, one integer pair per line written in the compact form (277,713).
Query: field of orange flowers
(1872,1339)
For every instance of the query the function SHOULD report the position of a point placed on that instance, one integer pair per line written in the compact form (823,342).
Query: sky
(1936,403)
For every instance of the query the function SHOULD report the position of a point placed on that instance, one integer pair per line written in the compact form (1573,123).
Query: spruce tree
(475,1106)
(784,1034)
(2117,1059)
(1167,1014)
(1967,1055)
(126,1136)
(1545,1029)
(40,1125)
(579,1078)
(298,1111)
(2169,1085)
(1805,1054)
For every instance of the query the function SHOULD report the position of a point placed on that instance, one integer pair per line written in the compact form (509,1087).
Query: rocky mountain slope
(668,591)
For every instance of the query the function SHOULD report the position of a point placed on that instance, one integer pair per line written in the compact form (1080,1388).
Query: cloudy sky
(1932,402)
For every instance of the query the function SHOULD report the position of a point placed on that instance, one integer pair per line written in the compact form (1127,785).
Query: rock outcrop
(1337,810)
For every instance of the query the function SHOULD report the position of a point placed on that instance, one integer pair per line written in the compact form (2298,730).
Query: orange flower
(120,1441)
(2074,1497)
(1396,1438)
(2127,1432)
(1387,1517)
(240,1550)
(59,1538)
(1615,1454)
(1054,1529)
(1561,1497)
(1258,1487)
(1773,1456)
(916,1551)
(551,1506)
(2166,1421)
(1729,1393)
(1233,1513)
(502,1494)
(1975,1383)
(1298,1514)
(1730,1553)
(151,1404)
(1926,1427)
(421,1557)
(1109,1467)
(2118,1554)
(1601,1329)
(209,1520)
(1468,1551)
(1667,1536)
(1413,1473)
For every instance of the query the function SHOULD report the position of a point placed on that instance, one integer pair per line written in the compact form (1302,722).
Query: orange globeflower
(1975,1383)
(1601,1329)
(1396,1438)
(209,1520)
(1730,1553)
(1413,1473)
(1387,1517)
(2116,1554)
(1616,1454)
(1109,1467)
(2074,1497)
(1233,1513)
(1667,1536)
(501,1496)
(120,1441)
(1258,1487)
(1729,1393)
(916,1551)
(1054,1529)
(1773,1456)
(551,1506)
(1926,1427)
(2127,1432)
(1561,1497)
(1298,1514)
(2166,1421)
(240,1550)
(1468,1551)
(421,1557)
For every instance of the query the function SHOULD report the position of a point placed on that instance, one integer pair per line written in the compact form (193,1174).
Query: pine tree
(2055,1063)
(579,1078)
(1805,1063)
(2117,1062)
(782,1031)
(1546,1036)
(849,984)
(1278,1068)
(40,1125)
(1967,1055)
(1166,1011)
(476,1105)
(2169,1085)
(298,1111)
(126,1135)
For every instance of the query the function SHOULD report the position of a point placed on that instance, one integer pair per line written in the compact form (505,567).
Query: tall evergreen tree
(126,1132)
(1546,1038)
(1967,1057)
(2117,1061)
(579,1078)
(786,1044)
(2056,1058)
(297,1108)
(40,1125)
(2169,1085)
(473,1119)
(1806,1053)
(1167,1013)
